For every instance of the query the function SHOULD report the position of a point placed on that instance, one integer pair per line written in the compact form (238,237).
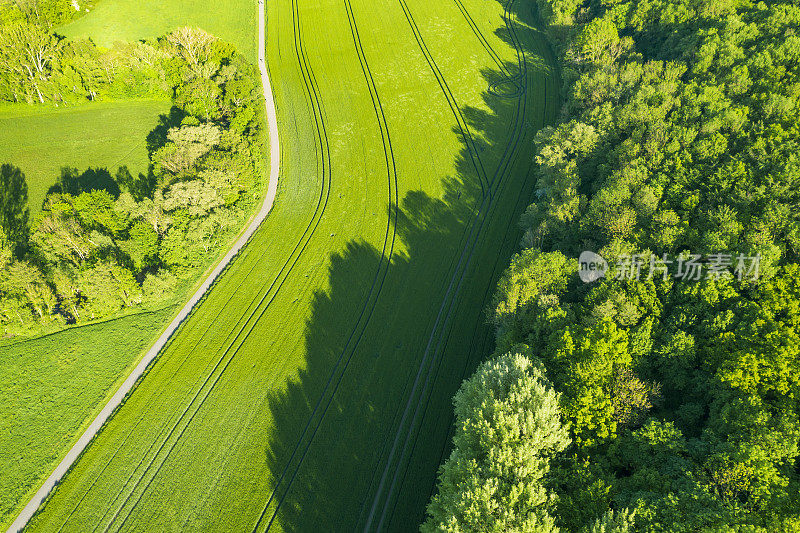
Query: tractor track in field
(185,358)
(512,79)
(497,263)
(463,125)
(521,112)
(313,94)
(444,318)
(314,98)
(522,74)
(484,42)
(145,411)
(384,135)
(478,165)
(391,168)
(141,417)
(124,441)
(322,137)
(304,240)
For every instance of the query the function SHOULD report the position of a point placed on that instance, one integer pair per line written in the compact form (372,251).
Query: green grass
(43,416)
(312,388)
(235,21)
(69,375)
(41,140)
(52,387)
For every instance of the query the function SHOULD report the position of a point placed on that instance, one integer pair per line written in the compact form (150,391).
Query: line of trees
(107,242)
(681,398)
(39,66)
(46,13)
(508,428)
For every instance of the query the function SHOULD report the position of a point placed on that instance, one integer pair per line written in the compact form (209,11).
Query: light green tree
(187,145)
(195,196)
(193,44)
(584,363)
(508,428)
(27,53)
(141,246)
(614,522)
(62,238)
(534,280)
(107,287)
(598,42)
(6,250)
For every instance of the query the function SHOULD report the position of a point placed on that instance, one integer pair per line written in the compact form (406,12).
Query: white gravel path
(126,387)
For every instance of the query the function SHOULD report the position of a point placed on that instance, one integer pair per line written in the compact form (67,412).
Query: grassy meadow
(313,385)
(53,386)
(130,20)
(50,387)
(103,135)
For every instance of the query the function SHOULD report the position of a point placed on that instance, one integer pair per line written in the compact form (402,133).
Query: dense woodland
(681,398)
(105,242)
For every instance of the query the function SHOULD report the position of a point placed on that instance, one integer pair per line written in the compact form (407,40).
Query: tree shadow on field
(335,425)
(74,182)
(158,136)
(14,212)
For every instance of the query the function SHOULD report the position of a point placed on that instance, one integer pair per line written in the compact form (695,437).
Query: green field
(234,21)
(43,416)
(312,387)
(41,140)
(52,387)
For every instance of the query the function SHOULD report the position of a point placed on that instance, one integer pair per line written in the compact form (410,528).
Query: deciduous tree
(193,44)
(508,428)
(27,52)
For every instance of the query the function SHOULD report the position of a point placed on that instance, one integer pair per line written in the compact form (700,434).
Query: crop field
(101,135)
(312,387)
(234,21)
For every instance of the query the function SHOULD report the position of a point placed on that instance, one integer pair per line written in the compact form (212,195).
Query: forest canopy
(679,137)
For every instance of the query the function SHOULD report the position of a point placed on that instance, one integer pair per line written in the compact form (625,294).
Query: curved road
(126,387)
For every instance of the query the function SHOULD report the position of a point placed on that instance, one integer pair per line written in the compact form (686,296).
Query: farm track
(499,177)
(159,436)
(314,95)
(322,138)
(143,367)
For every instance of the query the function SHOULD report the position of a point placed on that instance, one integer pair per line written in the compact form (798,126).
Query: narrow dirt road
(151,355)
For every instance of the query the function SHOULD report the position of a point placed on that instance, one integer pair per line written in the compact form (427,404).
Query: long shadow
(14,212)
(72,181)
(360,433)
